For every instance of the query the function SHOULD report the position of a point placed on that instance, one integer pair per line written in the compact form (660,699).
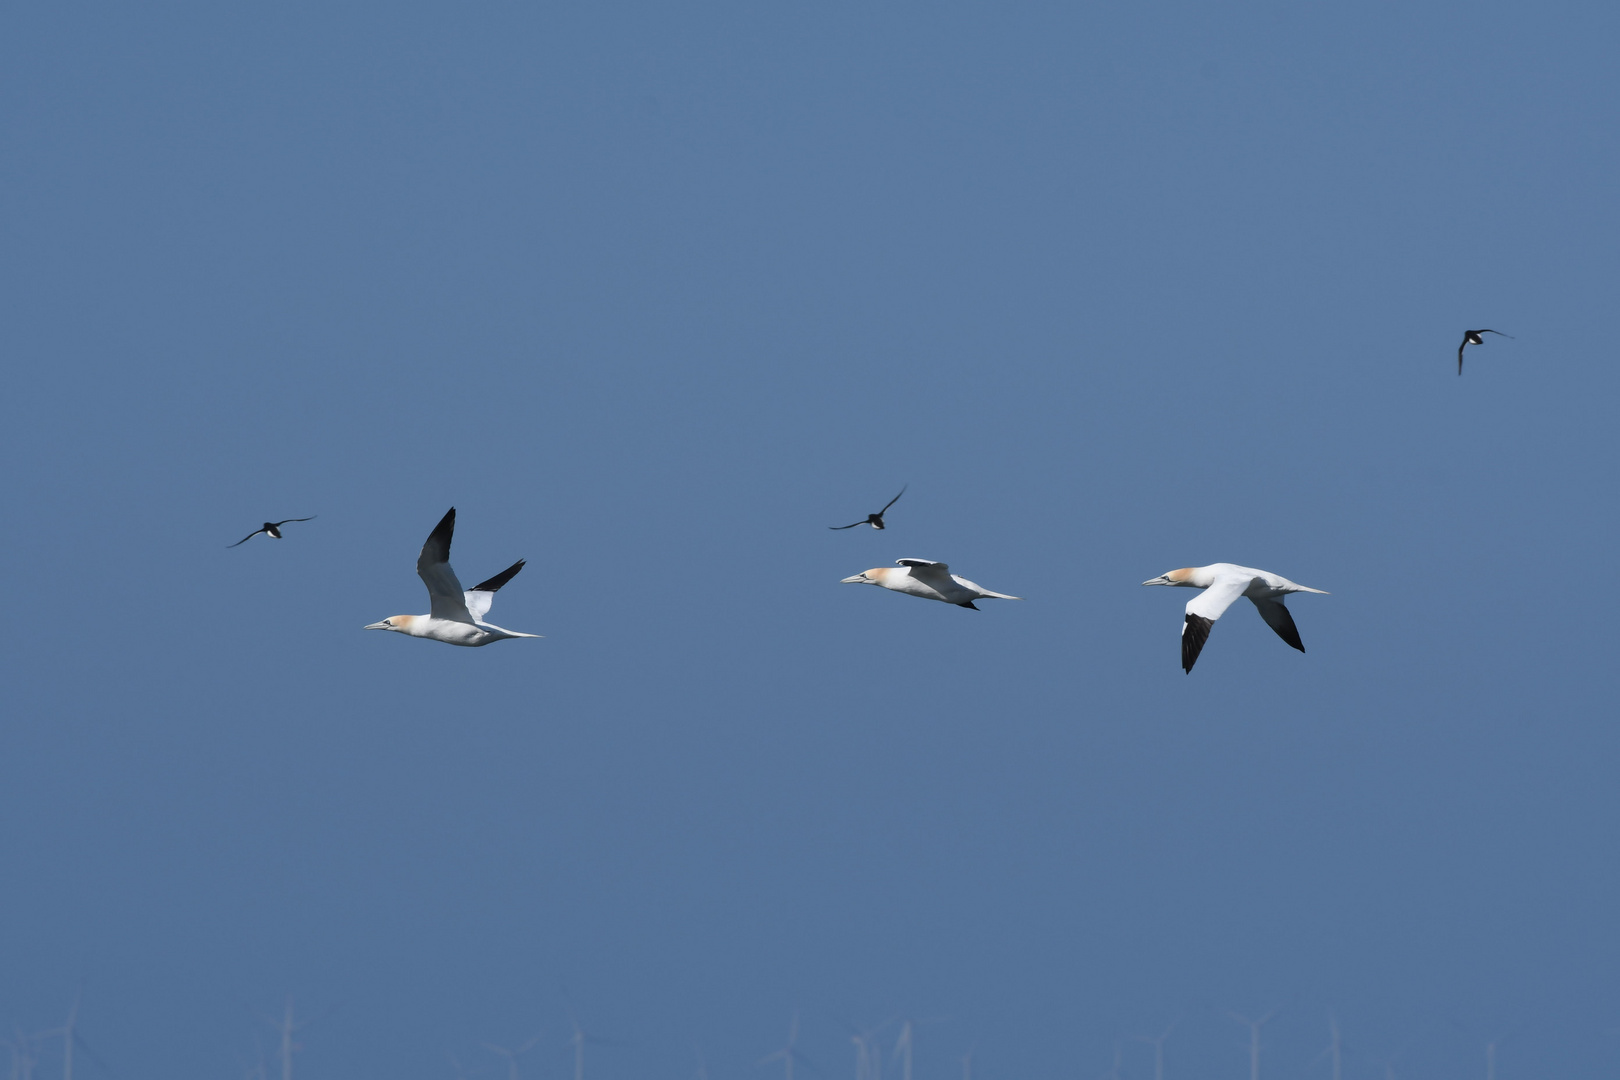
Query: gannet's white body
(1223,583)
(929,580)
(457,616)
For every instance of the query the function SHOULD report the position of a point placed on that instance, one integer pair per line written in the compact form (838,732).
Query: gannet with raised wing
(1223,583)
(1472,337)
(272,529)
(457,615)
(874,520)
(929,580)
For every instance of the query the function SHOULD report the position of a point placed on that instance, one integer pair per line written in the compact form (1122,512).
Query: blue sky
(653,295)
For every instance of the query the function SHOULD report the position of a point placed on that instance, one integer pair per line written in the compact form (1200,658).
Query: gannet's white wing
(433,567)
(480,596)
(1203,610)
(924,570)
(1278,618)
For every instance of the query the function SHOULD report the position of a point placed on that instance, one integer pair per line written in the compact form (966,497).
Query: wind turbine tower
(1158,1049)
(511,1054)
(902,1049)
(68,1039)
(1254,1027)
(22,1057)
(578,1040)
(789,1054)
(904,1044)
(287,1027)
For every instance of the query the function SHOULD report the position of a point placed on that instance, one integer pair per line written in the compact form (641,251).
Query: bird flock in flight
(456,615)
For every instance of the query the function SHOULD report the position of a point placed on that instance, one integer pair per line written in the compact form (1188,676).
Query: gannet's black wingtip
(437,546)
(494,583)
(1194,632)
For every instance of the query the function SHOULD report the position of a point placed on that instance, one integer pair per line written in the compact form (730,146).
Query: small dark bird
(1471,337)
(272,529)
(874,520)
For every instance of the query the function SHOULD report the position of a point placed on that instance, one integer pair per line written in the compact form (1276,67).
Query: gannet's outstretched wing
(1203,610)
(934,573)
(480,596)
(1279,619)
(433,567)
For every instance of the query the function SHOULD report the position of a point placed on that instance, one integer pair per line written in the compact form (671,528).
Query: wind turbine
(286,1026)
(1334,1050)
(1158,1048)
(1388,1064)
(1254,1027)
(578,1040)
(967,1064)
(68,1039)
(1119,1061)
(257,1071)
(789,1054)
(1490,1051)
(22,1057)
(868,1051)
(511,1054)
(863,1055)
(903,1044)
(1490,1044)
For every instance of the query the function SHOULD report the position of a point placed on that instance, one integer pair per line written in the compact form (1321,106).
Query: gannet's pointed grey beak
(378,626)
(858,579)
(1162,579)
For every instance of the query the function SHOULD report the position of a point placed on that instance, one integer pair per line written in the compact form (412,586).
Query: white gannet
(1471,337)
(1223,583)
(929,580)
(457,617)
(874,520)
(272,529)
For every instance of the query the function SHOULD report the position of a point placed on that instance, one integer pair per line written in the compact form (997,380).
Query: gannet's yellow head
(400,623)
(1174,577)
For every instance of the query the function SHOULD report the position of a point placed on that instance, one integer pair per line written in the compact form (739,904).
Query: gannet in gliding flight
(1222,584)
(874,520)
(457,617)
(929,580)
(272,529)
(1471,337)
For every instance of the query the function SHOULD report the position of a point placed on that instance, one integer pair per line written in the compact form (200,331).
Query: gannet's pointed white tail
(504,630)
(1319,592)
(985,593)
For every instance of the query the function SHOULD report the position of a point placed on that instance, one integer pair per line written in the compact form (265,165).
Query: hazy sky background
(655,293)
